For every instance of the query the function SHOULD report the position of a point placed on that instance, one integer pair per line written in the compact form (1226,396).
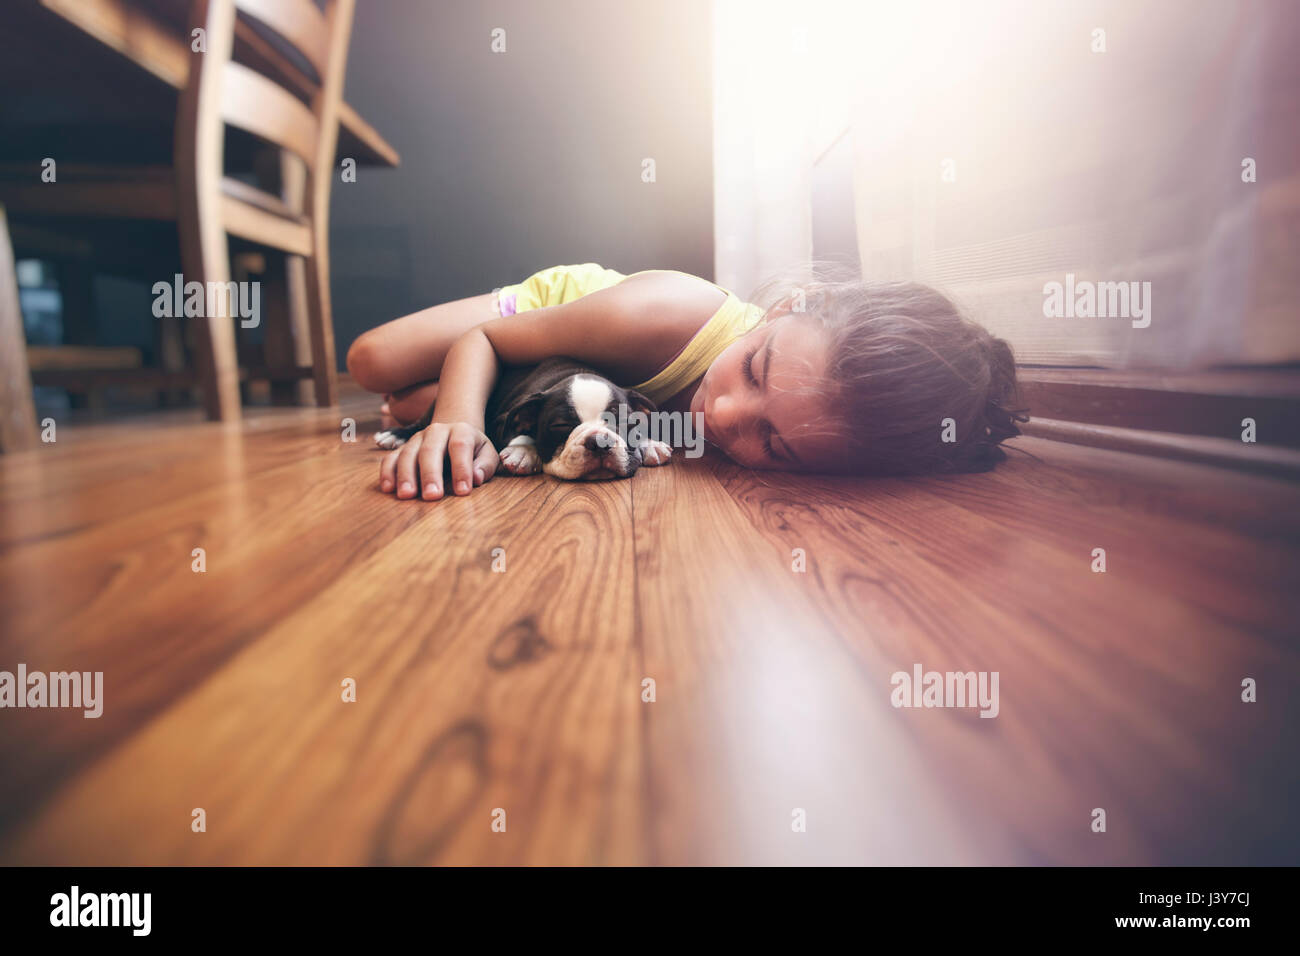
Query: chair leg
(218,365)
(205,255)
(17,413)
(307,290)
(288,329)
(321,319)
(205,260)
(75,279)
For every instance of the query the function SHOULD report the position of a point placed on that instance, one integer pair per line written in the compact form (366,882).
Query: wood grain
(1139,666)
(17,416)
(252,102)
(298,21)
(521,688)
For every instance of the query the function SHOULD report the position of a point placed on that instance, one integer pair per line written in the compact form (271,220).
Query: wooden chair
(17,416)
(209,206)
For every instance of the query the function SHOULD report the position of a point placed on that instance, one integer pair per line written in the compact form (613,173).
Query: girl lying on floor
(833,376)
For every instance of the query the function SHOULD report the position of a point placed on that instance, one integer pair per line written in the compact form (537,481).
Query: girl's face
(759,398)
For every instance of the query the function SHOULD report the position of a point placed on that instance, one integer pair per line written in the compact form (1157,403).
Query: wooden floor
(522,689)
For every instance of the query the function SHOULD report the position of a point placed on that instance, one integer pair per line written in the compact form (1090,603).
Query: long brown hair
(902,360)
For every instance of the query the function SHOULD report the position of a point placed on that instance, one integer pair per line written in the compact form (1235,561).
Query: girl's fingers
(460,450)
(388,470)
(485,463)
(422,459)
(406,465)
(431,453)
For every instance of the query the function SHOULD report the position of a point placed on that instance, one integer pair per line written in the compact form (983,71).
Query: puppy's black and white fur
(551,418)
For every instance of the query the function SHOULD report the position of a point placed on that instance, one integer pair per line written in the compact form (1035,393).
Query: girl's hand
(422,459)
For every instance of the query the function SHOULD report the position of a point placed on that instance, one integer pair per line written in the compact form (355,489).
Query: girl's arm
(590,327)
(455,433)
(629,330)
(469,373)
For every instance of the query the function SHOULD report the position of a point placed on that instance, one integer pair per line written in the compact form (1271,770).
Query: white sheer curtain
(1120,164)
(780,96)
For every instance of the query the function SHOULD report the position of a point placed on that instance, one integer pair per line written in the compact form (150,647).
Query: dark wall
(515,161)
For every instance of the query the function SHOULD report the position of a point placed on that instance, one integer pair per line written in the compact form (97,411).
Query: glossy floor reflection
(504,649)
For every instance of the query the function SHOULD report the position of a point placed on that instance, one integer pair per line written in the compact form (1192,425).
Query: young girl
(833,376)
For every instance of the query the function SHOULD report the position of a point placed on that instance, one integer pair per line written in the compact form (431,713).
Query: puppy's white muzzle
(593,452)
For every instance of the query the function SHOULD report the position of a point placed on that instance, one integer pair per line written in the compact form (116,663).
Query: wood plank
(201,206)
(525,701)
(236,189)
(121,200)
(297,21)
(521,689)
(253,103)
(131,32)
(43,495)
(257,213)
(1204,405)
(1262,381)
(258,225)
(1119,690)
(80,379)
(17,415)
(41,357)
(288,328)
(362,142)
(760,708)
(1224,452)
(320,177)
(91,381)
(170,614)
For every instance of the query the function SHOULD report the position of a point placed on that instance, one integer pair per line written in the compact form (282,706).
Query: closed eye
(749,366)
(766,427)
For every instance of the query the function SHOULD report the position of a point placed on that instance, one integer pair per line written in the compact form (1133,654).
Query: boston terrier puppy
(556,418)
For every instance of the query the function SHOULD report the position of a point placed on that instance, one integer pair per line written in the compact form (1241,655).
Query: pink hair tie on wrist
(505,304)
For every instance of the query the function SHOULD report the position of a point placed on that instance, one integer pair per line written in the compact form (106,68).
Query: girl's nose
(724,413)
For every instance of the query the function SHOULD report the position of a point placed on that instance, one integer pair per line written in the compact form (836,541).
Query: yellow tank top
(561,284)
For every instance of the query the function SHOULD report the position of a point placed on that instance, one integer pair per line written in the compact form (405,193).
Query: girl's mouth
(699,403)
(706,432)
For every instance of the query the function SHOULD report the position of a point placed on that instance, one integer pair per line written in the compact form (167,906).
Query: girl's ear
(522,419)
(639,403)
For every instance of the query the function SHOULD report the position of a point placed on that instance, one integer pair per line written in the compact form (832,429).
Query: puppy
(555,418)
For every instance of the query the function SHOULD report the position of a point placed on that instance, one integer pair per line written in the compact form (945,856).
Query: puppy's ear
(639,403)
(522,419)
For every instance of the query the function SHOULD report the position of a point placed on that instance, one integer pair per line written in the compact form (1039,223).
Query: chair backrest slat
(222,92)
(299,22)
(253,103)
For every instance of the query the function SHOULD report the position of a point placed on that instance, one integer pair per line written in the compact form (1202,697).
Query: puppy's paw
(390,439)
(655,453)
(521,459)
